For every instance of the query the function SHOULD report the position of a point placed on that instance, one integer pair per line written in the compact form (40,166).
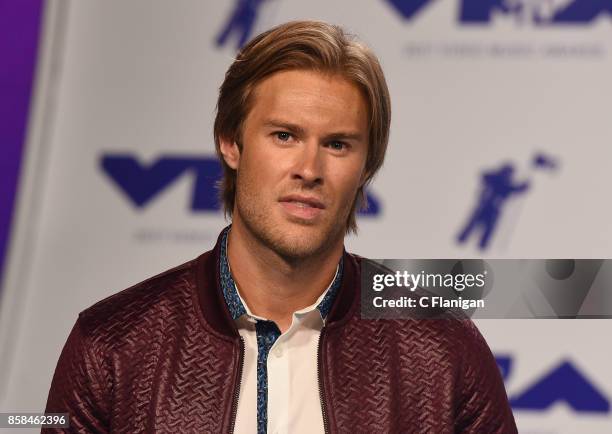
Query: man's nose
(309,164)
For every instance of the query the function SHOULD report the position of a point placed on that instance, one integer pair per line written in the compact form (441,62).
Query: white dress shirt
(294,404)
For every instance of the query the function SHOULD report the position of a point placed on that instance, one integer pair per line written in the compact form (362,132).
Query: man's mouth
(303,201)
(303,207)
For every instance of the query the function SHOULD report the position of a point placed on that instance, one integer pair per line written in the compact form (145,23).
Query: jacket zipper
(237,389)
(321,386)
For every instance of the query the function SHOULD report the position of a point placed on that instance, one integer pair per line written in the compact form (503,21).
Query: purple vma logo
(539,12)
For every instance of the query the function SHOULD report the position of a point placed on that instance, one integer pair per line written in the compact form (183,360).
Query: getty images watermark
(456,288)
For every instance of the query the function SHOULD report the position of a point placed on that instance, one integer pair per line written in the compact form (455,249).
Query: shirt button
(278,352)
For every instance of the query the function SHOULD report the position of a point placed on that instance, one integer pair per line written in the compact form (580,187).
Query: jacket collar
(215,308)
(235,304)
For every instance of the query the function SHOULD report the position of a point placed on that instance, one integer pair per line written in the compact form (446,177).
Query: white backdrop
(140,78)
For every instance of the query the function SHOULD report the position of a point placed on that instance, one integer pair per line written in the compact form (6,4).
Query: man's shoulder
(449,335)
(447,326)
(148,305)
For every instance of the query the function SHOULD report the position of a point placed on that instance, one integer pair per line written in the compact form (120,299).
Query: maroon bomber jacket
(165,356)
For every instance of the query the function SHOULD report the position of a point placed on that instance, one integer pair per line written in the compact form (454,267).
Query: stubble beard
(293,246)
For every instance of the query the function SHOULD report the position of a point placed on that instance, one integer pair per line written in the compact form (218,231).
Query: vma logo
(142,183)
(564,383)
(540,12)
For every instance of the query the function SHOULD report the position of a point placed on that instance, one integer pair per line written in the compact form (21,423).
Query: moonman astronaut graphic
(497,187)
(242,22)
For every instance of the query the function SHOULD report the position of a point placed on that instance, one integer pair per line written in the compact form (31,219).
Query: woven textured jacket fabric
(165,356)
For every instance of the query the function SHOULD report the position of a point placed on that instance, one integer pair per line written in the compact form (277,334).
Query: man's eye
(337,146)
(283,136)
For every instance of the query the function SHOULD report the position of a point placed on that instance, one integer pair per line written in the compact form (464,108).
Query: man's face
(304,148)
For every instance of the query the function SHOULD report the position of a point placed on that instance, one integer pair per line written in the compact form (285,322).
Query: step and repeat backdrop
(501,145)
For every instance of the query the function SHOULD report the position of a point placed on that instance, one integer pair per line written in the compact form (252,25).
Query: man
(263,333)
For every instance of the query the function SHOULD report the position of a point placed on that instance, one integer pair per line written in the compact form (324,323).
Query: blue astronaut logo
(241,22)
(538,12)
(497,186)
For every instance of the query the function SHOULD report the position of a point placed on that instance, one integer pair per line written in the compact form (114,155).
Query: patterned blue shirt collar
(232,298)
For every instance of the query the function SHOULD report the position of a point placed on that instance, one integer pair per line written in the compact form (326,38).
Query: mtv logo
(539,12)
(142,183)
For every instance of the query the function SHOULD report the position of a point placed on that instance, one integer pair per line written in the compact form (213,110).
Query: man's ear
(230,151)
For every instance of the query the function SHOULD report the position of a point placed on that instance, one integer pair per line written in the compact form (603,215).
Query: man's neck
(271,286)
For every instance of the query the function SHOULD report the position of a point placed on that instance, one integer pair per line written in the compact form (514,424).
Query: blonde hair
(311,45)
